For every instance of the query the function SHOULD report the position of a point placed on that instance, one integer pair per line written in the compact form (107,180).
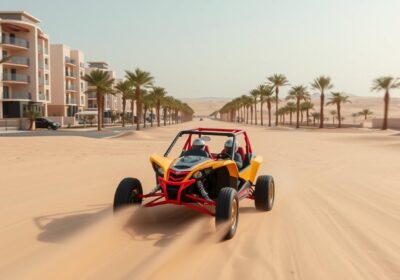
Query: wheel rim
(271,193)
(234,213)
(133,196)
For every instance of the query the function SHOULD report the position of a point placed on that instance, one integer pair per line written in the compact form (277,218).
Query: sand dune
(336,214)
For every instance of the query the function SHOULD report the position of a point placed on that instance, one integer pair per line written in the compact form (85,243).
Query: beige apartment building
(67,87)
(25,78)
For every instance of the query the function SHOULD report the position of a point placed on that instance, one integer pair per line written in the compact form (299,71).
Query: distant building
(67,87)
(25,81)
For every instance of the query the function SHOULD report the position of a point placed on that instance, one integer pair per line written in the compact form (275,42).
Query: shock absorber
(202,190)
(156,189)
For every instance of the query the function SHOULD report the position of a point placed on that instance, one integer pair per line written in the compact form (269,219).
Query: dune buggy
(211,183)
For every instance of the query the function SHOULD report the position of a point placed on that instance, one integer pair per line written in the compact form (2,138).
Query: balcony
(17,95)
(17,61)
(42,81)
(70,75)
(70,87)
(43,66)
(15,78)
(69,60)
(42,96)
(42,49)
(14,42)
(71,100)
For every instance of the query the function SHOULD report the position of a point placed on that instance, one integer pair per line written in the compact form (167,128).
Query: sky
(225,48)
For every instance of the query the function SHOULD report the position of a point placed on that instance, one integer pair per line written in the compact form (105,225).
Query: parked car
(46,123)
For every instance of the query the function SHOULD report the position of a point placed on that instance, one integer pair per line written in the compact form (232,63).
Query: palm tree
(322,84)
(385,84)
(266,95)
(146,103)
(101,83)
(32,115)
(289,108)
(159,93)
(125,88)
(315,117)
(333,113)
(298,93)
(277,81)
(139,79)
(307,106)
(365,113)
(255,93)
(248,101)
(338,98)
(354,115)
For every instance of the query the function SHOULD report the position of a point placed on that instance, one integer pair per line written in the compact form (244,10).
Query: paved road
(105,133)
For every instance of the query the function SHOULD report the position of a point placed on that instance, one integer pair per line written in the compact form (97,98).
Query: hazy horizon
(225,48)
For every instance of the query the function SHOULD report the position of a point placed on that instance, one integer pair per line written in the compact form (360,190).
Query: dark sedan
(46,123)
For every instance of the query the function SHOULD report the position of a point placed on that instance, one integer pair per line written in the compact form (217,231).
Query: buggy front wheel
(128,193)
(227,212)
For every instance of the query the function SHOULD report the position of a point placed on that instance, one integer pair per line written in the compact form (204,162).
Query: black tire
(264,193)
(227,212)
(126,193)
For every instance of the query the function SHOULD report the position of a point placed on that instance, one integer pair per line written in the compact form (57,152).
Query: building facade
(67,87)
(25,78)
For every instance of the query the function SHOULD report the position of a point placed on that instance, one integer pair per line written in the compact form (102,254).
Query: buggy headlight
(197,174)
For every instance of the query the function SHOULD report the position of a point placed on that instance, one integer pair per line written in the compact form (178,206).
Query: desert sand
(336,213)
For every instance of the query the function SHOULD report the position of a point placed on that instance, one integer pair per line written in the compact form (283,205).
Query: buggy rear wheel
(127,193)
(227,212)
(264,193)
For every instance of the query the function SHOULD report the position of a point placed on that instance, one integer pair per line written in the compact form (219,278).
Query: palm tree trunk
(98,97)
(290,113)
(298,113)
(283,117)
(386,111)
(308,116)
(102,110)
(251,112)
(165,116)
(123,110)
(321,113)
(144,116)
(339,117)
(276,105)
(132,109)
(158,112)
(138,108)
(255,112)
(269,112)
(262,115)
(301,111)
(247,115)
(151,116)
